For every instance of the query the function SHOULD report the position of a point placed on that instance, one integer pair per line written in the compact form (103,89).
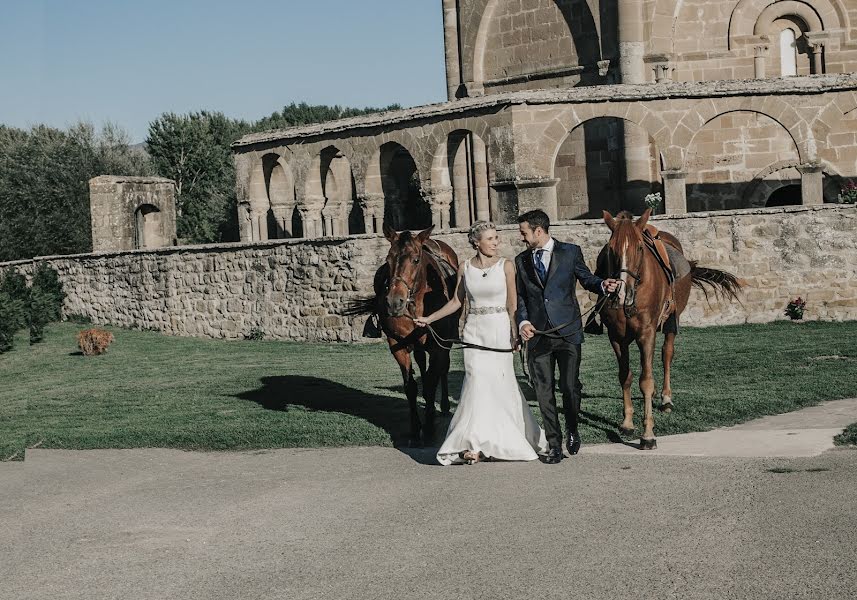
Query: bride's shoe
(470,457)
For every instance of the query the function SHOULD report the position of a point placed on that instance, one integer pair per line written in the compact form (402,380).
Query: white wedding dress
(492,415)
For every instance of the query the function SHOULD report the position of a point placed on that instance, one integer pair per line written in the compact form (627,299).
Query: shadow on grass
(281,392)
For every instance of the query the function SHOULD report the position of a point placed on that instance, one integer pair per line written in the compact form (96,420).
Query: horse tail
(722,283)
(361,306)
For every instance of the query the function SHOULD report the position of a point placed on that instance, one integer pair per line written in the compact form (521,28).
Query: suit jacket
(554,303)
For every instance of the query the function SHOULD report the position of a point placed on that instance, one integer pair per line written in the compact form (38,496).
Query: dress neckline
(486,270)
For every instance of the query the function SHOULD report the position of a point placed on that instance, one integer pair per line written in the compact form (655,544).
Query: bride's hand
(421,321)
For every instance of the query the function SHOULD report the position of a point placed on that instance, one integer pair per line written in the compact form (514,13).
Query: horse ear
(641,222)
(390,233)
(424,234)
(611,222)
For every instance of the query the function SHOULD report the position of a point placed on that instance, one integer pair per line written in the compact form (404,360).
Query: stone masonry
(575,106)
(132,212)
(297,289)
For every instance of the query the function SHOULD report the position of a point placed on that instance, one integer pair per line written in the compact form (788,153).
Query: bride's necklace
(486,270)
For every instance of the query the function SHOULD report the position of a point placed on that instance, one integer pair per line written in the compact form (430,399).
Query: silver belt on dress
(487,310)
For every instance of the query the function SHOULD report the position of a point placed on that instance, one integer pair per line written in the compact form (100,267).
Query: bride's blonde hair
(476,231)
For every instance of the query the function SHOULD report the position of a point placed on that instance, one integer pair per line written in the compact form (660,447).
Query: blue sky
(128,62)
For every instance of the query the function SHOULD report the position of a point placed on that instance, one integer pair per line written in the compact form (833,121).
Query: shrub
(46,298)
(14,308)
(653,201)
(94,341)
(794,309)
(848,193)
(255,334)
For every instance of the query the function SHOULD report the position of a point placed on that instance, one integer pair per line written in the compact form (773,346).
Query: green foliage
(46,298)
(44,185)
(848,437)
(255,334)
(848,193)
(32,307)
(305,114)
(795,309)
(14,304)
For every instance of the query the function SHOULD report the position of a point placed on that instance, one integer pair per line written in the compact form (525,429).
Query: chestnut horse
(649,300)
(417,279)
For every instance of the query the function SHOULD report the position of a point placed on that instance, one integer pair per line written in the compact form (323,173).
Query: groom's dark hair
(536,218)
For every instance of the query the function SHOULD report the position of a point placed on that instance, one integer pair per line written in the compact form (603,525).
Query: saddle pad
(680,265)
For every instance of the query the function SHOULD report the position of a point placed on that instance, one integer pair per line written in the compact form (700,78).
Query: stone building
(575,106)
(131,213)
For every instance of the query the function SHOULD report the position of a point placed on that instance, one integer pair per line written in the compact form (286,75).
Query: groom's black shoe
(573,443)
(554,456)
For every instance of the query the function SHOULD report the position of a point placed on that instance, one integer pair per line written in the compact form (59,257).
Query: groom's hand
(528,331)
(611,285)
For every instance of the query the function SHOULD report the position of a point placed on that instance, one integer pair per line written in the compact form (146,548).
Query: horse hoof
(651,444)
(667,407)
(626,432)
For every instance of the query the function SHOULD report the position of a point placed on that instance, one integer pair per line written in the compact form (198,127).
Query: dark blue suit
(547,305)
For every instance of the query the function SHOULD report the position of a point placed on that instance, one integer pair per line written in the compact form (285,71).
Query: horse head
(405,262)
(626,253)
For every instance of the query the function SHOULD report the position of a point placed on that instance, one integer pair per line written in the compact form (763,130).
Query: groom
(547,275)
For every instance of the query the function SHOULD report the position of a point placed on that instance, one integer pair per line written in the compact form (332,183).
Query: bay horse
(649,299)
(417,278)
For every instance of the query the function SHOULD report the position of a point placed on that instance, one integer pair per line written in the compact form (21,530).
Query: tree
(44,185)
(193,150)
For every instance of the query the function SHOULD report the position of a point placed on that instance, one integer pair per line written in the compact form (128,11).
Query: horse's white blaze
(623,275)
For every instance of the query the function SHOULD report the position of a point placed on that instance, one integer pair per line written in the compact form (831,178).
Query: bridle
(630,304)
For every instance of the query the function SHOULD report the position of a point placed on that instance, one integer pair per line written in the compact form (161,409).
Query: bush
(795,309)
(255,334)
(46,298)
(93,342)
(14,308)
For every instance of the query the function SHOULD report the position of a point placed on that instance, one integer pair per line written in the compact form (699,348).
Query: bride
(492,419)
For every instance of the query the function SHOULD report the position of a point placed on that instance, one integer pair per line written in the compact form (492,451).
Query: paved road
(375,523)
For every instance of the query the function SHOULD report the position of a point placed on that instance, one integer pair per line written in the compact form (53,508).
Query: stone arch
(730,151)
(641,116)
(393,176)
(280,184)
(271,196)
(148,227)
(662,30)
(705,111)
(759,189)
(334,181)
(753,17)
(594,155)
(460,181)
(584,35)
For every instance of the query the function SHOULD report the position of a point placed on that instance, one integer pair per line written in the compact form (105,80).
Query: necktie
(540,266)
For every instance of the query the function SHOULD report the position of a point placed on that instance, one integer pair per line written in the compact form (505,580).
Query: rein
(550,333)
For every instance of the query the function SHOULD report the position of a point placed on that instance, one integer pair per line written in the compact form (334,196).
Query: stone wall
(296,289)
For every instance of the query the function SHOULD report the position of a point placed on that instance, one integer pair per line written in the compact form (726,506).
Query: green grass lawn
(151,390)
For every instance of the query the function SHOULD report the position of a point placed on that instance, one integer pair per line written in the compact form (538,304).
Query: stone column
(817,50)
(761,55)
(440,200)
(811,184)
(451,47)
(675,191)
(372,205)
(631,41)
(283,216)
(480,179)
(311,216)
(519,196)
(245,222)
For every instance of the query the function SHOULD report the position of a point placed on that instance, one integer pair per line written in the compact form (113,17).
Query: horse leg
(430,379)
(646,343)
(403,357)
(622,357)
(667,352)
